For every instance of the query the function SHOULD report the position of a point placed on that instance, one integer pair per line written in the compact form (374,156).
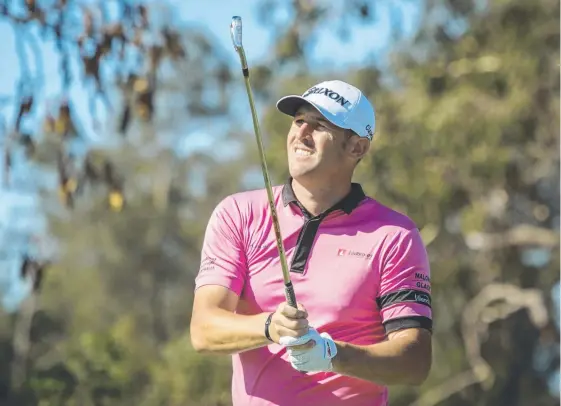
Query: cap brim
(289,105)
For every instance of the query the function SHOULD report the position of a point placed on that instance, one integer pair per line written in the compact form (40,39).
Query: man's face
(315,146)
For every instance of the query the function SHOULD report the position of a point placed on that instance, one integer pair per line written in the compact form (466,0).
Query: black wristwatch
(267,324)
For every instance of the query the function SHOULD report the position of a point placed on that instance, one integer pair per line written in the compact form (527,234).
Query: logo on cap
(369,131)
(329,93)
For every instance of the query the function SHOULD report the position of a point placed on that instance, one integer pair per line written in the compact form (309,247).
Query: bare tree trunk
(22,341)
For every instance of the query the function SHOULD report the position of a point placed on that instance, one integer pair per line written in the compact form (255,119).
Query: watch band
(267,324)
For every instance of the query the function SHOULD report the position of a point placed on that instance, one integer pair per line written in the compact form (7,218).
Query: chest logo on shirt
(341,252)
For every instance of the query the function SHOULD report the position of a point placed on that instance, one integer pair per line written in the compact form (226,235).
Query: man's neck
(316,197)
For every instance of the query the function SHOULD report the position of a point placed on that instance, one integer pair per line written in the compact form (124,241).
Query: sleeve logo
(422,298)
(423,281)
(207,264)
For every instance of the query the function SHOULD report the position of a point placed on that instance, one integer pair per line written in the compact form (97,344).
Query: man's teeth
(302,152)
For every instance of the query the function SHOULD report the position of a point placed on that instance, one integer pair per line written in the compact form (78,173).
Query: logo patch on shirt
(422,298)
(424,282)
(207,264)
(341,252)
(259,246)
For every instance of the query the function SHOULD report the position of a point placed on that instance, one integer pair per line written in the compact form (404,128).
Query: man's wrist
(267,327)
(338,361)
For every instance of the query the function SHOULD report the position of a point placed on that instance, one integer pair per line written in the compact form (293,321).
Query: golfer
(360,272)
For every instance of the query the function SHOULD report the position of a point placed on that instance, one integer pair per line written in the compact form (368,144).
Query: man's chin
(299,172)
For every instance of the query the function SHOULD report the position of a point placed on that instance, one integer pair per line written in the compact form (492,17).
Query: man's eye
(299,121)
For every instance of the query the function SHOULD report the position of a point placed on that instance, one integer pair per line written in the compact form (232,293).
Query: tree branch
(480,312)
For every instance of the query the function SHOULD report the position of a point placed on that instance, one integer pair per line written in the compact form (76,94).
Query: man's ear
(358,146)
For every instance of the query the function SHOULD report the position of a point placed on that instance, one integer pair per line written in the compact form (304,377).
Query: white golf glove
(316,359)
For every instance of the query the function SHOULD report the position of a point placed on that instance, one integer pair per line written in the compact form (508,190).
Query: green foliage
(183,376)
(466,144)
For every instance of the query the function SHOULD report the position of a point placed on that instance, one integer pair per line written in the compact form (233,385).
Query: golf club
(236,32)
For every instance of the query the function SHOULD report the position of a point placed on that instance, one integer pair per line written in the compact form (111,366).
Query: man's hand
(288,322)
(312,352)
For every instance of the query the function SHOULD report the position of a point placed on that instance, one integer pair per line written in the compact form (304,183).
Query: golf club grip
(290,295)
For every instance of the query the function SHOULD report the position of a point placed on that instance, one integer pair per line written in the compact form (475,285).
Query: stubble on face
(315,146)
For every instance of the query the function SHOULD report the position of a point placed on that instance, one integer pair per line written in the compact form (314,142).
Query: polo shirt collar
(347,204)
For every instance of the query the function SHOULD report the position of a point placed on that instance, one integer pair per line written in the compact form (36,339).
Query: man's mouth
(302,152)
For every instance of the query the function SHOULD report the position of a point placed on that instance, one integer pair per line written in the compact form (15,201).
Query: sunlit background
(123,123)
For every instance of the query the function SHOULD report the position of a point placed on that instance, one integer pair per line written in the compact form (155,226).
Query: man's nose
(305,130)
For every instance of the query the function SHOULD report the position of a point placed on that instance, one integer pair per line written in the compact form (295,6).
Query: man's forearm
(224,332)
(387,363)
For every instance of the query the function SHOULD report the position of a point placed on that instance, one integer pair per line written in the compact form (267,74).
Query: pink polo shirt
(361,271)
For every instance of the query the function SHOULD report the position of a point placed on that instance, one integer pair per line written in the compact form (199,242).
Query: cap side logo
(329,93)
(369,131)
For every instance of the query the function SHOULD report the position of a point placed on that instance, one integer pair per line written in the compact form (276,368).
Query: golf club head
(236,32)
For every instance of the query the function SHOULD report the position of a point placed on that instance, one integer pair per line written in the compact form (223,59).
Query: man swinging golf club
(359,269)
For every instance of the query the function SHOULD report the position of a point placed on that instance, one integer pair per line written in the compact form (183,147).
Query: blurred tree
(126,214)
(466,145)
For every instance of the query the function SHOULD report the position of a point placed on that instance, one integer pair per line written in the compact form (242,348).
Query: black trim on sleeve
(408,322)
(406,295)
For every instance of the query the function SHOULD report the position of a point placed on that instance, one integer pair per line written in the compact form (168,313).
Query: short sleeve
(404,297)
(222,255)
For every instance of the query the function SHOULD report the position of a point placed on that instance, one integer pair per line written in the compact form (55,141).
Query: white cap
(340,103)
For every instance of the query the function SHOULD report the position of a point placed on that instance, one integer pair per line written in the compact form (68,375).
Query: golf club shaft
(237,40)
